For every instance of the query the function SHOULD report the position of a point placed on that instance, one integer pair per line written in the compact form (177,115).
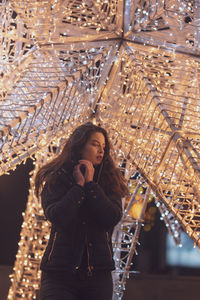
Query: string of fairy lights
(131,66)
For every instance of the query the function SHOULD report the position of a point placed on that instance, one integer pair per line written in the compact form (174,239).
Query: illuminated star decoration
(133,66)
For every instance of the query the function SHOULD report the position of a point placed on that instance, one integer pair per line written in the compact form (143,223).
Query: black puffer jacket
(82,222)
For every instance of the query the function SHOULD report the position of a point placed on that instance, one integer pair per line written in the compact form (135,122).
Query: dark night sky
(13,198)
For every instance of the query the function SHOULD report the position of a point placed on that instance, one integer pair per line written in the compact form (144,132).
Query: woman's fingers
(89,171)
(85,162)
(78,176)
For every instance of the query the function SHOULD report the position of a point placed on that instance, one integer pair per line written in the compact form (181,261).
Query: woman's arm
(107,211)
(62,202)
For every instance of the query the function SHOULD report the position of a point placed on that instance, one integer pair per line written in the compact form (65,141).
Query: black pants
(80,286)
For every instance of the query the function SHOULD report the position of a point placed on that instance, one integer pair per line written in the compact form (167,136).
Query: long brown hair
(111,177)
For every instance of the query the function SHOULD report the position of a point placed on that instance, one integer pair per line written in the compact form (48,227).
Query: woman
(82,200)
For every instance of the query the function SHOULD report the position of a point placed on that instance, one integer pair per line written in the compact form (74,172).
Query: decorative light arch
(132,66)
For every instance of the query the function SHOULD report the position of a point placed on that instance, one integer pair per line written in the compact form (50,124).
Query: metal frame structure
(130,65)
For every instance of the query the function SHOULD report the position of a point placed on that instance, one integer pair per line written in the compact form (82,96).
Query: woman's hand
(78,176)
(89,169)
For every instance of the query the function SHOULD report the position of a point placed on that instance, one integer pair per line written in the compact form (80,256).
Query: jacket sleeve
(107,210)
(61,205)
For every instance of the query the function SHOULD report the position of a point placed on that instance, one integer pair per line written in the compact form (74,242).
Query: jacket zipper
(107,238)
(90,268)
(52,247)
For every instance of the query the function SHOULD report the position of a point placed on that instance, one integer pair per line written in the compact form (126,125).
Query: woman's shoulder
(59,180)
(64,173)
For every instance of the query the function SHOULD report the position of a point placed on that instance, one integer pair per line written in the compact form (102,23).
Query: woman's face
(94,148)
